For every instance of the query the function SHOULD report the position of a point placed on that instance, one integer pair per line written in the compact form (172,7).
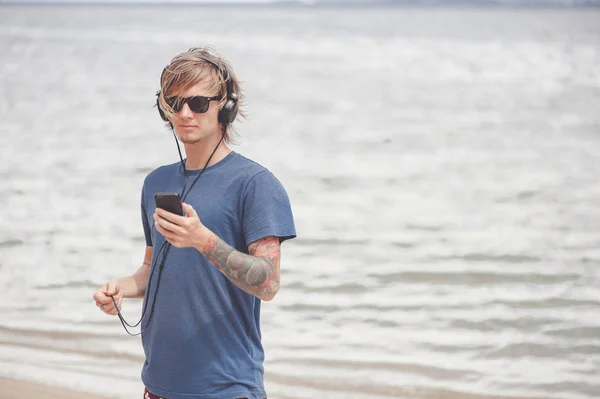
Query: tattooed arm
(256,273)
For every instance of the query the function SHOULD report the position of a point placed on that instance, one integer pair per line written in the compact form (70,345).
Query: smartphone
(170,202)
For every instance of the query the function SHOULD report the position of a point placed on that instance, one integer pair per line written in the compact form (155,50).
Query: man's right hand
(103,297)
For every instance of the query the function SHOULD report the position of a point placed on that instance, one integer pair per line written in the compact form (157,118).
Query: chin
(196,137)
(189,139)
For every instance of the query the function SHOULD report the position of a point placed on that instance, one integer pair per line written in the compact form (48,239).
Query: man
(206,273)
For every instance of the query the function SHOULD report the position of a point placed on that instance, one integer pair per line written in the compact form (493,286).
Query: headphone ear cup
(160,111)
(229,111)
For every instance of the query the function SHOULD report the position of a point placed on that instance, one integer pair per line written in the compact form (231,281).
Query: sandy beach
(18,389)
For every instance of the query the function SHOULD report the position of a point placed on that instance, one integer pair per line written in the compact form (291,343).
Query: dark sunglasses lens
(198,104)
(174,102)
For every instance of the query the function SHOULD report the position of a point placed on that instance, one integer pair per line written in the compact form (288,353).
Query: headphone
(229,111)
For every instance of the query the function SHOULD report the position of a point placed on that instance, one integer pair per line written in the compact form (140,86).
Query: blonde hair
(188,69)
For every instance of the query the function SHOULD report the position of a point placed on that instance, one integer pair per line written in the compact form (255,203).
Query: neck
(198,153)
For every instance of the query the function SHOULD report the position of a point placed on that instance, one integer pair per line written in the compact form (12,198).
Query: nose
(186,112)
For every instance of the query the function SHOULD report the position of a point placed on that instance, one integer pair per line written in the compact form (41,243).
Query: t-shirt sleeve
(267,210)
(145,223)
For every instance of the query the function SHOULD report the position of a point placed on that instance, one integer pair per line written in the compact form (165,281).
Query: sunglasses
(197,104)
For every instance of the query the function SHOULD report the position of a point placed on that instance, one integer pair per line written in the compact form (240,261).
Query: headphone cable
(166,251)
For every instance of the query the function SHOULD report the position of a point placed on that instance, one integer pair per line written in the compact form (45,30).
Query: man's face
(193,127)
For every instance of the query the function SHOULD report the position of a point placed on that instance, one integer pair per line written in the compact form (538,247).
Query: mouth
(187,126)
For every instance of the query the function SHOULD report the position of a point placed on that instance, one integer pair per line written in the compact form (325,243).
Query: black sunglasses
(197,104)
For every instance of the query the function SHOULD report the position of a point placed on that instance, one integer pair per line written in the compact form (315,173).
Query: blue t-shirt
(204,339)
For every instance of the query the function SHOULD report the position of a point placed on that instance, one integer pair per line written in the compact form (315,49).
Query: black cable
(168,245)
(205,166)
(146,299)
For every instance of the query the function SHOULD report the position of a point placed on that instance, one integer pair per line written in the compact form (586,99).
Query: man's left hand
(181,231)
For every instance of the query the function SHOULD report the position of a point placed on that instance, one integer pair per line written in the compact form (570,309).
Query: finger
(110,308)
(173,242)
(189,210)
(113,300)
(170,236)
(172,239)
(113,310)
(112,288)
(98,295)
(165,224)
(118,304)
(106,303)
(171,217)
(103,300)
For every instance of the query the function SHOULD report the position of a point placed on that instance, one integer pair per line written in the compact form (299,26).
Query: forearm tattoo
(256,273)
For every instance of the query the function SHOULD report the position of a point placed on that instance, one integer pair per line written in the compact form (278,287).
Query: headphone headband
(223,71)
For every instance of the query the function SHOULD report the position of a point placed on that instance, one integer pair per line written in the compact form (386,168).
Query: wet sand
(18,389)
